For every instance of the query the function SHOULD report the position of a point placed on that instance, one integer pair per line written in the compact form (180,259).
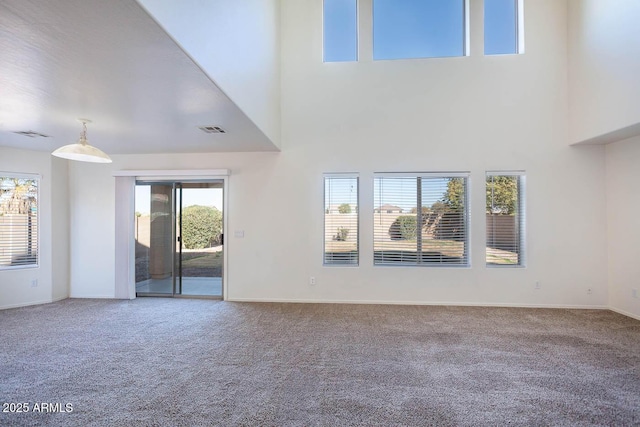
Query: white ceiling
(110,62)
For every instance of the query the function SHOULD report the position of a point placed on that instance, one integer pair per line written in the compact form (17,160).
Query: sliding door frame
(125,286)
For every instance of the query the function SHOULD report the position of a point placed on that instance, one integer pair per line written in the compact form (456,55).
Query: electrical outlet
(537,285)
(589,291)
(34,283)
(312,280)
(634,292)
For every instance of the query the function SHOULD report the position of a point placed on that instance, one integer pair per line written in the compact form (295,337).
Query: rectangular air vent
(212,129)
(32,134)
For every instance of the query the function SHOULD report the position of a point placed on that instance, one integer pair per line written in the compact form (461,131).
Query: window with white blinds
(340,219)
(421,219)
(505,219)
(18,221)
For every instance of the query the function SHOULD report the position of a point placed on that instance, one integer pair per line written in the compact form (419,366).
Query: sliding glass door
(179,240)
(200,237)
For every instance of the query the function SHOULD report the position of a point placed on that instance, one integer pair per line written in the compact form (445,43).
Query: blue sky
(341,33)
(340,190)
(400,191)
(190,196)
(415,28)
(500,18)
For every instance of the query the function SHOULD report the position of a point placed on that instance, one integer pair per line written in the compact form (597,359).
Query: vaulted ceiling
(110,62)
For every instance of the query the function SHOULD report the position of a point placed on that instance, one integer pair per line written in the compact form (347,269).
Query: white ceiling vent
(212,129)
(32,134)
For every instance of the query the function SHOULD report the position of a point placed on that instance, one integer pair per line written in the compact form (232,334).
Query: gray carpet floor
(179,362)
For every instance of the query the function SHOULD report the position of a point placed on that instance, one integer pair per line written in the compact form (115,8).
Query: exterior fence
(502,231)
(501,228)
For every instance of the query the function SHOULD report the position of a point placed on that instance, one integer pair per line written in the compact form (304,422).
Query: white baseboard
(625,313)
(75,296)
(363,302)
(433,303)
(30,303)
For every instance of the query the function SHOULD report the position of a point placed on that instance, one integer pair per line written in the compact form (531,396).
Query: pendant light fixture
(81,150)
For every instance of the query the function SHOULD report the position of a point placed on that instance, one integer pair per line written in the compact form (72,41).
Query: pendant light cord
(83,134)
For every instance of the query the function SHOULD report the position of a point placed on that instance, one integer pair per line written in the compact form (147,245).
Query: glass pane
(420,220)
(443,220)
(154,238)
(503,220)
(178,233)
(394,227)
(201,239)
(341,220)
(340,31)
(405,29)
(500,27)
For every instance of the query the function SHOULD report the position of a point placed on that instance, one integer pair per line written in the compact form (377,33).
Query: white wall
(604,40)
(92,201)
(16,286)
(623,205)
(60,250)
(454,114)
(237,44)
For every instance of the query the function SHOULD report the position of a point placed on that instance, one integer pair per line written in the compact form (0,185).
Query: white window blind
(340,219)
(18,221)
(505,213)
(436,234)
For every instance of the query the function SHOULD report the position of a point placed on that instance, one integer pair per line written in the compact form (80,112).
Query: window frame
(466,218)
(38,179)
(340,175)
(521,220)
